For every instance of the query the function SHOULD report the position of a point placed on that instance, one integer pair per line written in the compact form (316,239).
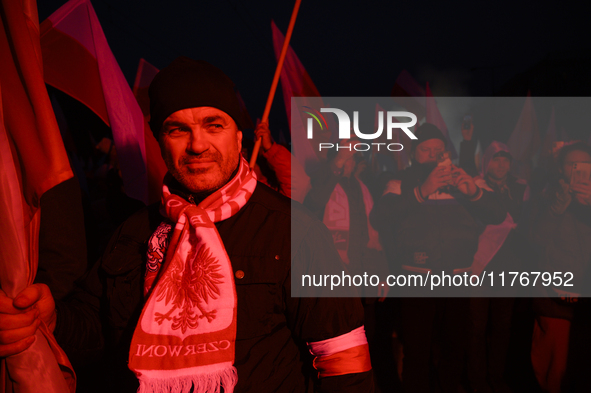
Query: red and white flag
(32,160)
(295,82)
(78,61)
(434,117)
(156,166)
(407,87)
(524,142)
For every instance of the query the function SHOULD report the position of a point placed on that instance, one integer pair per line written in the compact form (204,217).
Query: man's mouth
(199,164)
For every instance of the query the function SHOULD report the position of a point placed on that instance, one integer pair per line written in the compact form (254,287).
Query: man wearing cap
(195,294)
(430,215)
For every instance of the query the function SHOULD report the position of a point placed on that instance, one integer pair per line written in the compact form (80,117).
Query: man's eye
(175,131)
(215,127)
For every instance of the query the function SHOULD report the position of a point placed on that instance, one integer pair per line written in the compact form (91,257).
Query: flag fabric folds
(524,142)
(78,61)
(295,82)
(155,164)
(32,160)
(434,117)
(406,86)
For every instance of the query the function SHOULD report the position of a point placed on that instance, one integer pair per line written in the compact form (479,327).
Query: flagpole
(257,145)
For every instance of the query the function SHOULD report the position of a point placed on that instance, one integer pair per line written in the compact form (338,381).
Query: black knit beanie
(425,132)
(503,153)
(188,83)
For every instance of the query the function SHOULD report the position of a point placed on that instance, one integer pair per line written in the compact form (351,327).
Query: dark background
(358,48)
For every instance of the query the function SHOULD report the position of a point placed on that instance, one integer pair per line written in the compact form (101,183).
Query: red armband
(345,354)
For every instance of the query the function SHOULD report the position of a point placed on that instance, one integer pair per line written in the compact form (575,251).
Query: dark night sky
(349,48)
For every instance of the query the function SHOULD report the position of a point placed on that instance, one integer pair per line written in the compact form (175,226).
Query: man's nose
(198,142)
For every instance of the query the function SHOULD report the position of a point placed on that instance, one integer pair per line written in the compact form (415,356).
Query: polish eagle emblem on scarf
(187,287)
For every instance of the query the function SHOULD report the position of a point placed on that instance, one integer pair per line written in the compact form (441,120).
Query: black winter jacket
(263,240)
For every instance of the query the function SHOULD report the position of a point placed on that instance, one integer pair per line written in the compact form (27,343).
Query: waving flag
(156,166)
(78,61)
(406,86)
(524,142)
(434,117)
(32,160)
(295,82)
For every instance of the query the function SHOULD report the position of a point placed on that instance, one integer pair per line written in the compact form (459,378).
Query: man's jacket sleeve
(393,206)
(323,181)
(82,315)
(315,317)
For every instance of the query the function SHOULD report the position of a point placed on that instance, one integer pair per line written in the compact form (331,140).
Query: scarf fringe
(200,383)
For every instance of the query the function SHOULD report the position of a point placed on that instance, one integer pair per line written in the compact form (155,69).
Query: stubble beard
(203,181)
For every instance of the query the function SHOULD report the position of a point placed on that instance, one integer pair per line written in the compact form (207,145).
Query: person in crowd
(561,231)
(468,150)
(432,212)
(500,248)
(276,166)
(195,294)
(343,202)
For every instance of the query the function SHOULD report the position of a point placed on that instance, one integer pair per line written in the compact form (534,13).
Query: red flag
(406,86)
(550,137)
(524,142)
(32,160)
(295,82)
(434,117)
(78,61)
(156,166)
(145,73)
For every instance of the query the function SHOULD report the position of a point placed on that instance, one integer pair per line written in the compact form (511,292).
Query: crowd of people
(434,217)
(194,293)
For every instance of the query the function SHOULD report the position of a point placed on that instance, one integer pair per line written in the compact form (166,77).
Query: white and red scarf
(185,338)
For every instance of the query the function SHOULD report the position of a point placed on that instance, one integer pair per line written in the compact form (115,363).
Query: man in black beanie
(195,294)
(432,213)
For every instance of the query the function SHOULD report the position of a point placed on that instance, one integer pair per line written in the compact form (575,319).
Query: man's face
(201,148)
(499,167)
(570,159)
(426,152)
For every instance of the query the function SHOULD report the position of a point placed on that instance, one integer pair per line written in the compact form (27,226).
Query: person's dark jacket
(324,181)
(467,160)
(515,253)
(62,238)
(362,259)
(562,244)
(263,240)
(438,234)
